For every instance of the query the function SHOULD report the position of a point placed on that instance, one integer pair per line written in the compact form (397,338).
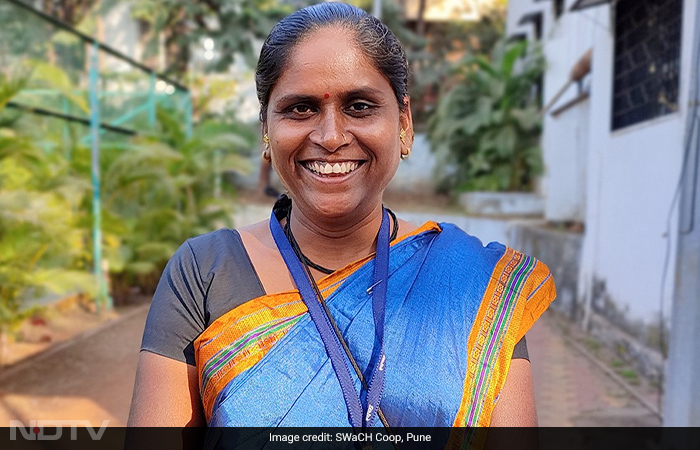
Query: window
(536,19)
(647,60)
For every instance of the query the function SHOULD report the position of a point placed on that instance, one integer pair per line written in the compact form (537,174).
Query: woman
(419,324)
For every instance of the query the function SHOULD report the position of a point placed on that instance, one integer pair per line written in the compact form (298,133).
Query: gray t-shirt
(207,277)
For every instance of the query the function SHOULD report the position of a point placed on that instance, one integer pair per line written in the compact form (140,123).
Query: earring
(266,155)
(407,154)
(402,136)
(266,140)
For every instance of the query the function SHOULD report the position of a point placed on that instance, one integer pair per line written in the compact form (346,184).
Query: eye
(359,108)
(301,109)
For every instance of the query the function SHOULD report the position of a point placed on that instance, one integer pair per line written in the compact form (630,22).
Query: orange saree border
(520,290)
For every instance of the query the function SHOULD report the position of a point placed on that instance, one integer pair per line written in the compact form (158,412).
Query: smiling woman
(334,312)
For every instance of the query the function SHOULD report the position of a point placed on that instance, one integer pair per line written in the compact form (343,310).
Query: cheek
(284,140)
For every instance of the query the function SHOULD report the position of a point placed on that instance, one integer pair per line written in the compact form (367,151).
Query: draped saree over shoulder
(454,311)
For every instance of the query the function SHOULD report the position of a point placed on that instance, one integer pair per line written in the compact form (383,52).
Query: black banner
(72,437)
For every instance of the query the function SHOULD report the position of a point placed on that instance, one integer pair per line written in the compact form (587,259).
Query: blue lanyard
(362,409)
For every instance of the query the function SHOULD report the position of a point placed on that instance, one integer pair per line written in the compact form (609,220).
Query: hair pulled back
(375,40)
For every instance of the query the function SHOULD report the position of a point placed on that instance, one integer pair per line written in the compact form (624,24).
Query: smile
(326,168)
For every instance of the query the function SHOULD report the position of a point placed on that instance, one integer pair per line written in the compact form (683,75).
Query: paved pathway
(92,378)
(570,390)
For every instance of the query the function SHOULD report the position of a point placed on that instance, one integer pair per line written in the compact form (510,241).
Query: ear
(406,120)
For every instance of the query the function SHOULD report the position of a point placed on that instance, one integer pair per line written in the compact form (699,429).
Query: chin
(332,206)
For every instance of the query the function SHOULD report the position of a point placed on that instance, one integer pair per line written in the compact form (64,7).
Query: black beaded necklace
(283,209)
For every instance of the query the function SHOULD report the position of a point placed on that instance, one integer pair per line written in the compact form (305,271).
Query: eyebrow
(306,98)
(297,98)
(368,90)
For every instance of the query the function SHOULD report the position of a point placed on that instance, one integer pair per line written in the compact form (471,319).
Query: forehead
(329,60)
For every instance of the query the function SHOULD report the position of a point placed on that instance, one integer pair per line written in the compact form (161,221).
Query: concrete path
(92,379)
(570,390)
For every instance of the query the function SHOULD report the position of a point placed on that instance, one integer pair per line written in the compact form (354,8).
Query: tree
(443,43)
(234,26)
(160,189)
(487,126)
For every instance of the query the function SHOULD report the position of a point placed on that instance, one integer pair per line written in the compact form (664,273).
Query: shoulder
(458,246)
(213,240)
(505,265)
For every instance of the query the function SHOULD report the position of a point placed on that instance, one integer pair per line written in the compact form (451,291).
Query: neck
(336,243)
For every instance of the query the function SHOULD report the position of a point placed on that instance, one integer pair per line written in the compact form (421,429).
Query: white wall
(621,183)
(632,176)
(565,137)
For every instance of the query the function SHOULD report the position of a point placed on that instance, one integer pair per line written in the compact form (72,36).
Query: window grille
(647,60)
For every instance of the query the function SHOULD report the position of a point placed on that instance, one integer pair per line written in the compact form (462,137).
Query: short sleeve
(539,291)
(177,313)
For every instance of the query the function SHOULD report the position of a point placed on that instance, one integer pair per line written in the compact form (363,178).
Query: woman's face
(334,122)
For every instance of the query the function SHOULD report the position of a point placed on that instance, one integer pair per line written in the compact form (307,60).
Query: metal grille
(647,60)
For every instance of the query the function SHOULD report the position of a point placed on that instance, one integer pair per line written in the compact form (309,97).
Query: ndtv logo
(35,430)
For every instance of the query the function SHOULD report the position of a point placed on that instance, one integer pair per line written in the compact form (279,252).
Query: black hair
(377,42)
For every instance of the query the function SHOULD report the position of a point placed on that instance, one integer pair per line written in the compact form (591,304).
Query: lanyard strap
(362,409)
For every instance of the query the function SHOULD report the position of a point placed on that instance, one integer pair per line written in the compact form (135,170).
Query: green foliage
(234,25)
(159,190)
(433,57)
(39,240)
(487,126)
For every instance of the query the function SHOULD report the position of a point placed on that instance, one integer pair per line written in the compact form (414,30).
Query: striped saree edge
(240,340)
(490,345)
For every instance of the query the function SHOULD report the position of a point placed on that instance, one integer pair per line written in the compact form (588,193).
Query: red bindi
(326,95)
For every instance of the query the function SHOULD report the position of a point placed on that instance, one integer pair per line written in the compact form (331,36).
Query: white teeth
(327,168)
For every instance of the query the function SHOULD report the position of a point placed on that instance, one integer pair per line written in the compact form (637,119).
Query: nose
(329,132)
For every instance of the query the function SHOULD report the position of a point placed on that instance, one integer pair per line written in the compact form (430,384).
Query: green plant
(39,236)
(161,189)
(486,128)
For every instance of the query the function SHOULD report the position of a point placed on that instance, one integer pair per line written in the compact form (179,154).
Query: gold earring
(266,140)
(402,136)
(407,154)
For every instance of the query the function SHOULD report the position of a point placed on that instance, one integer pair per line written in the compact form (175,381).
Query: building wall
(565,136)
(633,174)
(517,9)
(624,180)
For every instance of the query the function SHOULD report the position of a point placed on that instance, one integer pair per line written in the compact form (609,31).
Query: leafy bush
(486,128)
(39,237)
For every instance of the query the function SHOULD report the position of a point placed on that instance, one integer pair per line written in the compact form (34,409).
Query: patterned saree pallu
(454,311)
